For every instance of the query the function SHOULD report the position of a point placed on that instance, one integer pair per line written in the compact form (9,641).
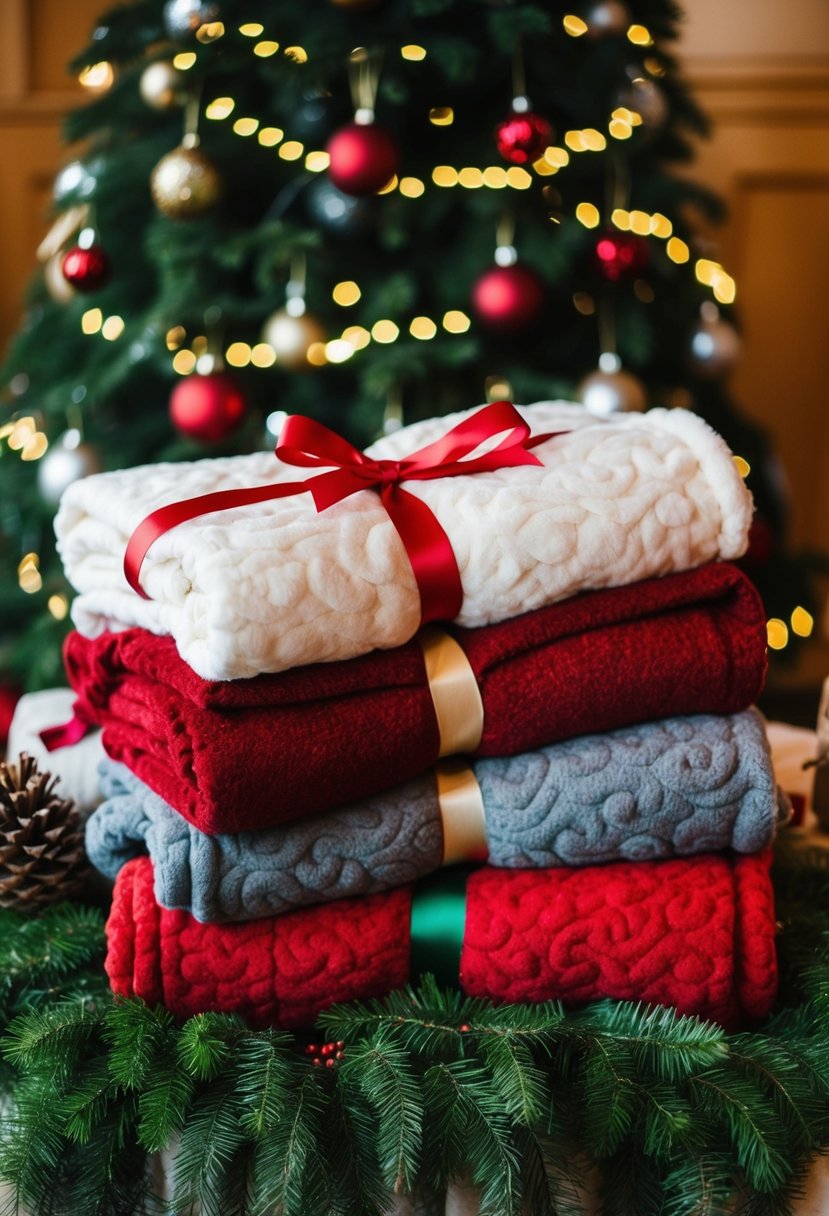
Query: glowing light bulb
(219,108)
(588,214)
(777,633)
(184,362)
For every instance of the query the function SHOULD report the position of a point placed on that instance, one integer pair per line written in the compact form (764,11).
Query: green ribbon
(438,923)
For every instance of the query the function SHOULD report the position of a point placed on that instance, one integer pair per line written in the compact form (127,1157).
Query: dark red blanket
(695,933)
(251,753)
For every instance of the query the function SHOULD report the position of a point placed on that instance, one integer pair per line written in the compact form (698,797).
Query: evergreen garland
(672,1115)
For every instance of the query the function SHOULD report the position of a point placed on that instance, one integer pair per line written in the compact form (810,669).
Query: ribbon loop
(308,444)
(462,814)
(459,710)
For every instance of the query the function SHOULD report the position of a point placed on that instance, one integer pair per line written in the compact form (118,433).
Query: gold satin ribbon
(458,706)
(461,813)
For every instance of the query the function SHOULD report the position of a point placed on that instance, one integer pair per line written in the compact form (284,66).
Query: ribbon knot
(389,472)
(498,429)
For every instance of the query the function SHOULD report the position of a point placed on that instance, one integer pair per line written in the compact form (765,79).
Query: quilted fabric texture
(266,588)
(676,787)
(696,933)
(247,754)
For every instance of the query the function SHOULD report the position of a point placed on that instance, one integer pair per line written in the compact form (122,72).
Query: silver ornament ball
(608,18)
(715,348)
(616,392)
(74,181)
(161,85)
(67,460)
(182,18)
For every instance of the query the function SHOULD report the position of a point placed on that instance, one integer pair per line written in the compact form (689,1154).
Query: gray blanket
(678,786)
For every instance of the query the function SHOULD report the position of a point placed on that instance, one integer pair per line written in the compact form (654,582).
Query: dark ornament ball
(316,115)
(339,213)
(621,255)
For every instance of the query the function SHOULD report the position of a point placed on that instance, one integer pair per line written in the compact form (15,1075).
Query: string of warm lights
(352,339)
(801,623)
(576,27)
(623,120)
(23,436)
(642,223)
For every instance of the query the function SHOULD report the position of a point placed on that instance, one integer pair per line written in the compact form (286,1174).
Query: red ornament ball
(9,696)
(621,255)
(207,408)
(363,158)
(86,269)
(522,138)
(508,298)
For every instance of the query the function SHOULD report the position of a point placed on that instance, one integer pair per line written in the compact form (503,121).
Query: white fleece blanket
(277,585)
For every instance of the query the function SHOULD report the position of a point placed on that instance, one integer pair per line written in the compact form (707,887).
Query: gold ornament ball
(617,392)
(185,184)
(58,286)
(160,86)
(291,338)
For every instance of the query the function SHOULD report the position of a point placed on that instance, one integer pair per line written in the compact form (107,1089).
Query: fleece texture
(695,933)
(248,754)
(76,767)
(676,787)
(268,587)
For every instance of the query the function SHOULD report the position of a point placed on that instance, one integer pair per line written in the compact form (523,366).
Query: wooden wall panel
(24,206)
(58,31)
(784,277)
(37,37)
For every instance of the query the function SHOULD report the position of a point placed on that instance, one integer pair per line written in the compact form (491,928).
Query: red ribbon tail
(164,518)
(67,735)
(430,553)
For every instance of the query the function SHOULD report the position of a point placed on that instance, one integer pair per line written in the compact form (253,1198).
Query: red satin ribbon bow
(309,444)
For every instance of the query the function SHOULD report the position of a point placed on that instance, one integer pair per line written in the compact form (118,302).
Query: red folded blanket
(248,754)
(695,933)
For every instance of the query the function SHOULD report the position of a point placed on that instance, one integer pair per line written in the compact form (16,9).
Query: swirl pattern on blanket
(274,586)
(680,786)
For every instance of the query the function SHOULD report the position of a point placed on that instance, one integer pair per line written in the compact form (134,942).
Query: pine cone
(42,858)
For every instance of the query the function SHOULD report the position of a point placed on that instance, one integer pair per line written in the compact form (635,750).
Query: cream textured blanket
(268,587)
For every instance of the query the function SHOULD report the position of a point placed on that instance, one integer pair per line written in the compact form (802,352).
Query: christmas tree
(383,211)
(391,211)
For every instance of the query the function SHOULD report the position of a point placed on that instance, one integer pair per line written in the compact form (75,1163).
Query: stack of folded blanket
(294,767)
